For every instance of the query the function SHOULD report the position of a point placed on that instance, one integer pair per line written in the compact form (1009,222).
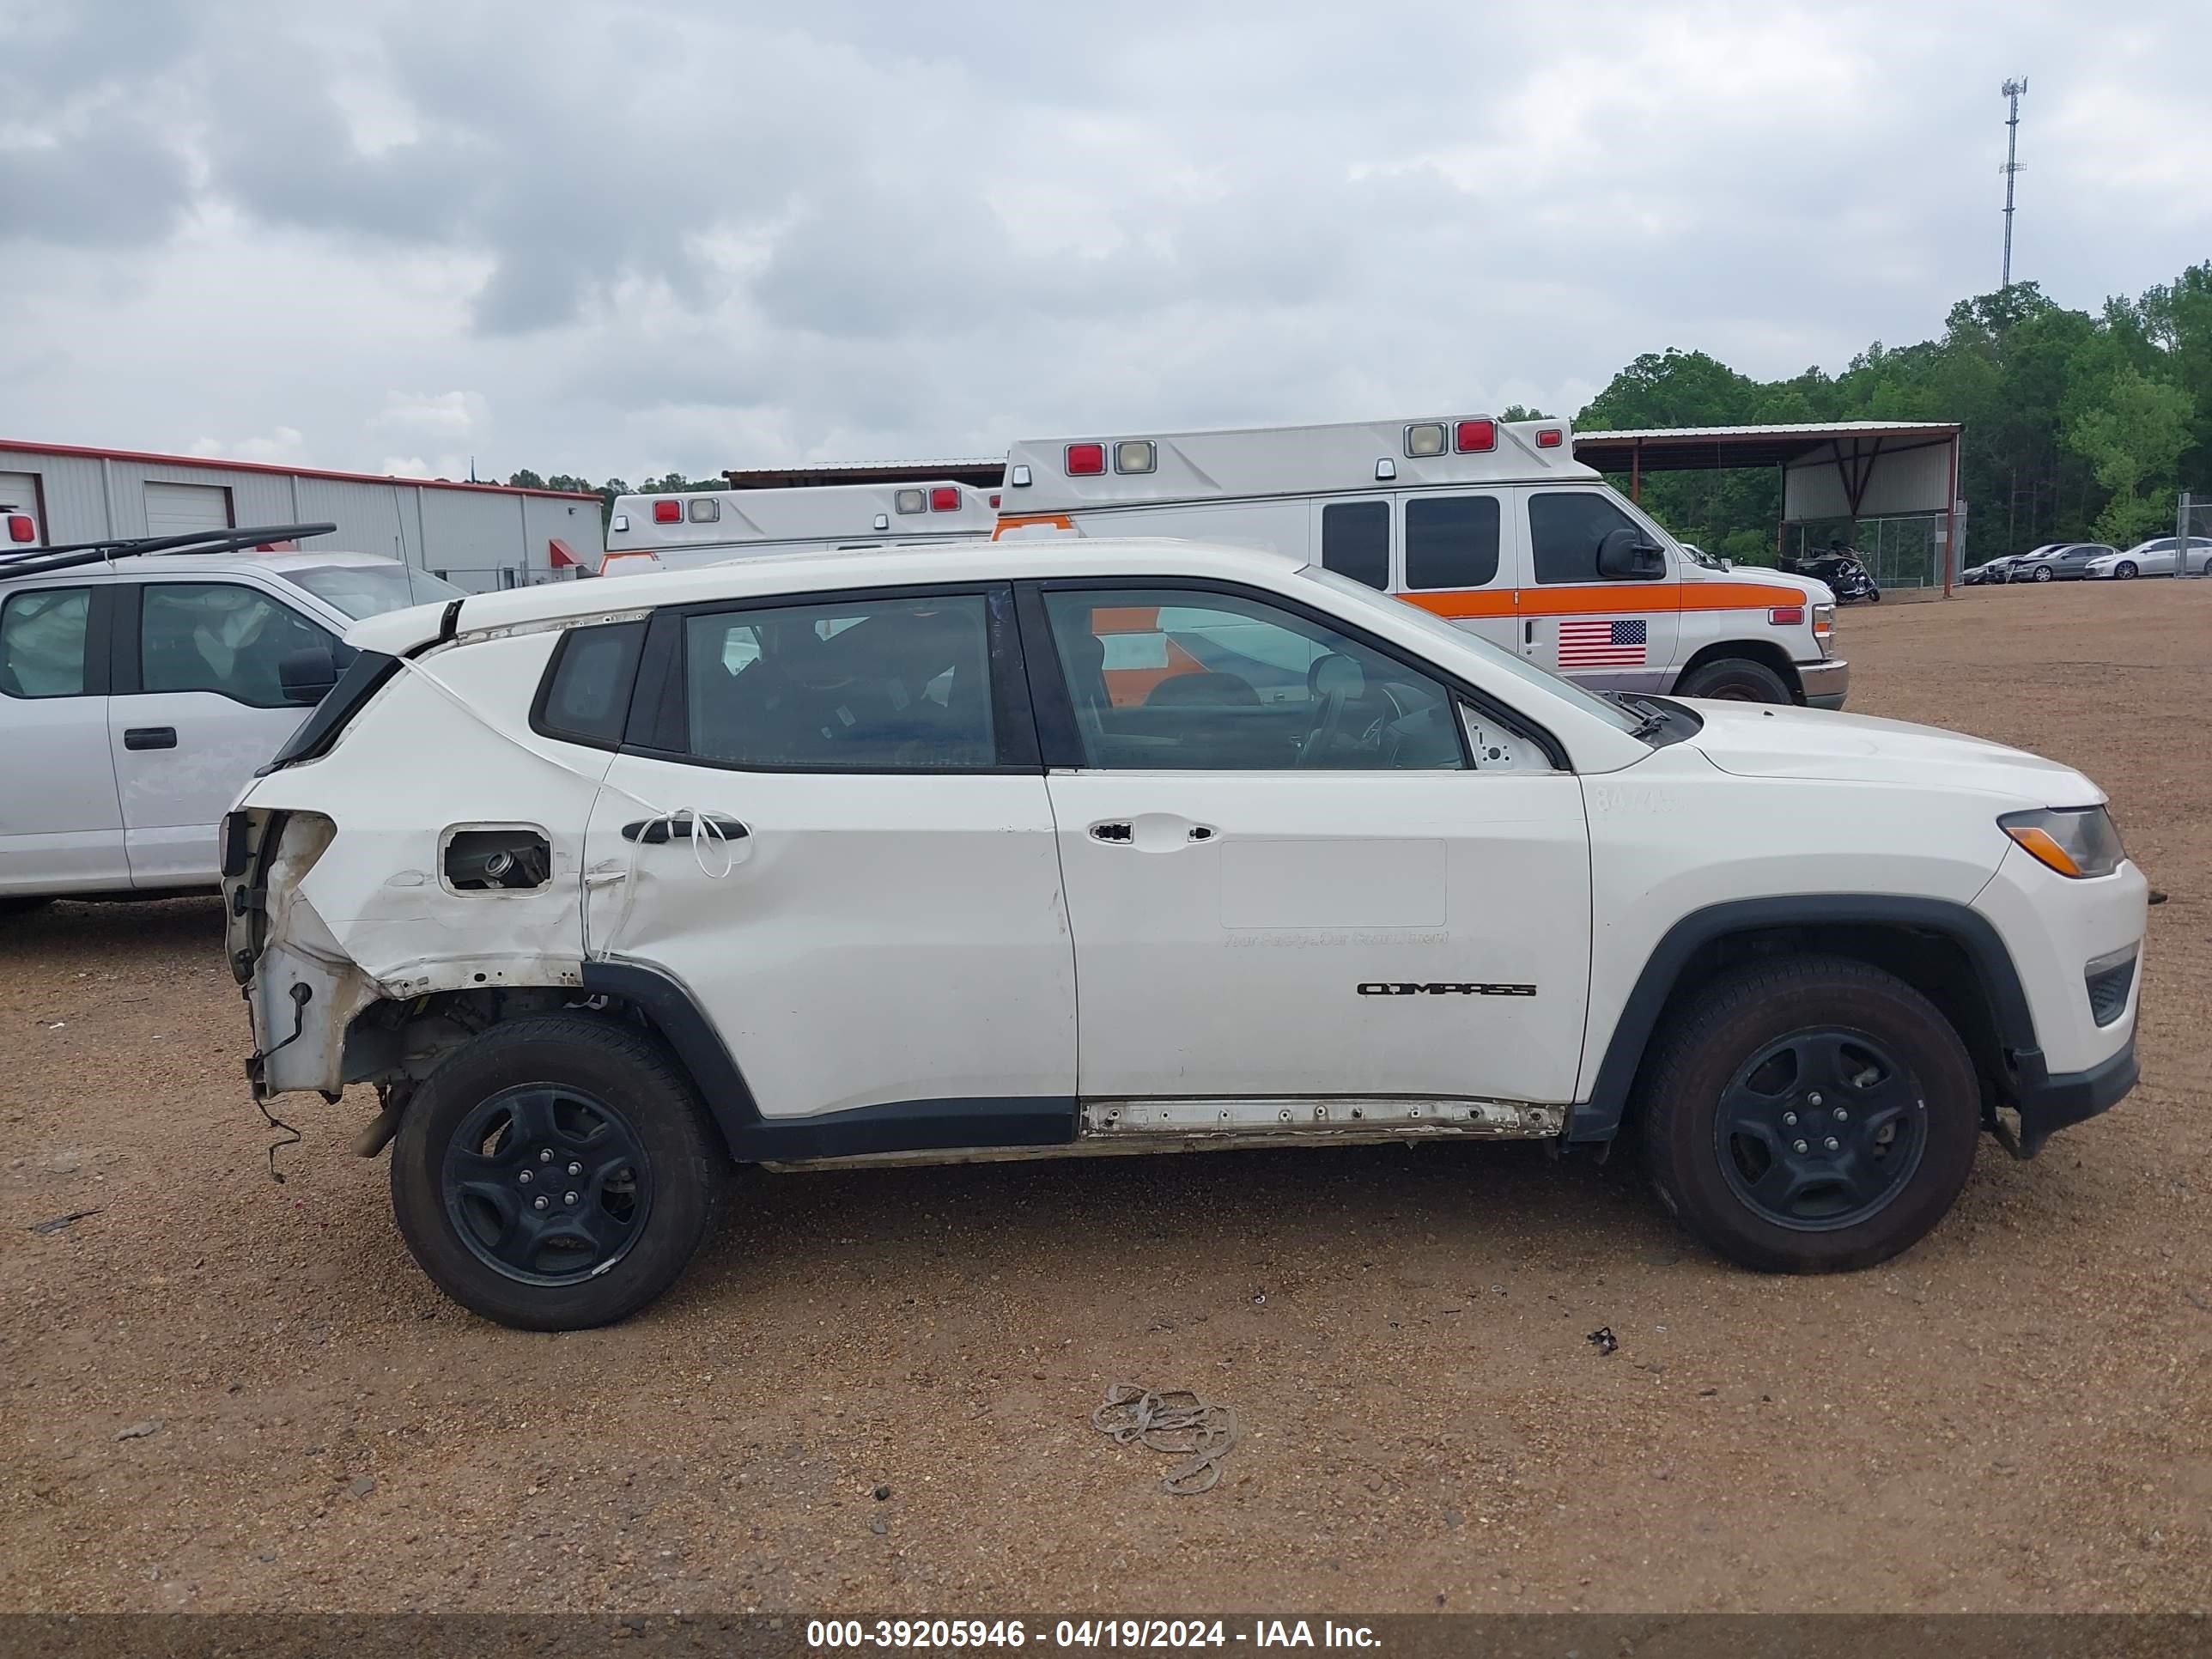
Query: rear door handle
(149,737)
(1528,632)
(1117,833)
(653,831)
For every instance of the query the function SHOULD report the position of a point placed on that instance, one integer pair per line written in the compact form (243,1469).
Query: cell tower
(2013,91)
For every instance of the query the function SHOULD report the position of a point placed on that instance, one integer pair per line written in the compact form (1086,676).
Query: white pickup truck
(1068,846)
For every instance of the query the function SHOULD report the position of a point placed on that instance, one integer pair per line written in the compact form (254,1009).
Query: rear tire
(1793,1053)
(1738,679)
(556,1173)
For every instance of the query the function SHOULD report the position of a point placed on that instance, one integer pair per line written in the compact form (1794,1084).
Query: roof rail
(38,561)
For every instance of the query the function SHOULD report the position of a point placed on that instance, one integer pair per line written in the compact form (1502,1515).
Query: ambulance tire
(1736,679)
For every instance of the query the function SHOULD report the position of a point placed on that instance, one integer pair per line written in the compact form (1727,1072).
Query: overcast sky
(700,233)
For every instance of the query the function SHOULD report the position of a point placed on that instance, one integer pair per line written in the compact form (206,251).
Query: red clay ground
(2016,1415)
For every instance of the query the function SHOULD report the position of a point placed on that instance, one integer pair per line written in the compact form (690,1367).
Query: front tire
(556,1173)
(1737,679)
(1810,1114)
(2043,573)
(2125,571)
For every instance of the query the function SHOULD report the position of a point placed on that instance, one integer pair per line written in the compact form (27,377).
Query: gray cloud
(686,234)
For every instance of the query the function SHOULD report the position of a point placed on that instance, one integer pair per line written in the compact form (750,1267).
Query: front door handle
(149,737)
(1156,832)
(1118,833)
(653,831)
(1528,632)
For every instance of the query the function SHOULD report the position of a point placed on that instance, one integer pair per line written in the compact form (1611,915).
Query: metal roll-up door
(173,508)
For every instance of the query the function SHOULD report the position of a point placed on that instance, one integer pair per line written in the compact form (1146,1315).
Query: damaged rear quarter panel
(371,918)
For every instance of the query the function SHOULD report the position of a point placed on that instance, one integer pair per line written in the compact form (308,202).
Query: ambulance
(1491,525)
(661,532)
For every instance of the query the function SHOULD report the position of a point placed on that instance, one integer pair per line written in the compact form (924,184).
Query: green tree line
(2079,426)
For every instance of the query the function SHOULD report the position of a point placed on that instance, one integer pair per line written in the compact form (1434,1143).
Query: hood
(1812,591)
(1758,740)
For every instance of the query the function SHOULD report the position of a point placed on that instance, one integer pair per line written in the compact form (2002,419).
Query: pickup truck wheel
(1811,1114)
(555,1173)
(1738,679)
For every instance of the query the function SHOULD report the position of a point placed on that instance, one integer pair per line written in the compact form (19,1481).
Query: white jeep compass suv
(1030,848)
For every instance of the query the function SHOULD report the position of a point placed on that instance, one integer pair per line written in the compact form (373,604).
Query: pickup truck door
(1251,920)
(60,829)
(197,708)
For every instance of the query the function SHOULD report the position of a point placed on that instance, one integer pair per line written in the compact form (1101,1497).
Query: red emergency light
(945,499)
(1085,460)
(1786,616)
(21,529)
(667,511)
(1476,437)
(1550,437)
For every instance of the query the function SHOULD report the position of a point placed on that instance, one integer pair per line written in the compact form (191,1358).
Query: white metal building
(477,536)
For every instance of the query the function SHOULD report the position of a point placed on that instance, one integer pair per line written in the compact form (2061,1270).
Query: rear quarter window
(585,697)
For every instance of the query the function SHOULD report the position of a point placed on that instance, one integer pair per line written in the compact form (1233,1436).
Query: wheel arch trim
(1599,1117)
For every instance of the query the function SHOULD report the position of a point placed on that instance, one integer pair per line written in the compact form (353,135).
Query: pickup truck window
(222,637)
(42,642)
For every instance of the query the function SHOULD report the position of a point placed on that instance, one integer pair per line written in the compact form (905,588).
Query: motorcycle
(1845,572)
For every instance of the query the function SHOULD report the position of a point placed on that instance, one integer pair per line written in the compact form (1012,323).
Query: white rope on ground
(1176,1421)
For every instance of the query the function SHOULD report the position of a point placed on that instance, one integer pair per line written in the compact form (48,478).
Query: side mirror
(1727,563)
(308,676)
(1623,555)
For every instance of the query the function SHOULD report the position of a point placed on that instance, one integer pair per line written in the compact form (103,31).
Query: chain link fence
(1905,551)
(2192,529)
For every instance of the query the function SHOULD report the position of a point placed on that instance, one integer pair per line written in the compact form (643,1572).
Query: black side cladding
(363,678)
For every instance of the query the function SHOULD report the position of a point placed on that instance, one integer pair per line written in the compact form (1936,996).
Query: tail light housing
(21,529)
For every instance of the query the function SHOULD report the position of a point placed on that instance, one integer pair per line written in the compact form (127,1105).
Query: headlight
(1824,625)
(2075,840)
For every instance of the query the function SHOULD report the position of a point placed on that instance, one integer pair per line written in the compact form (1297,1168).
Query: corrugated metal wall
(482,538)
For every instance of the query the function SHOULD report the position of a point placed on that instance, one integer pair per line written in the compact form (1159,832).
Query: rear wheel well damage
(1948,953)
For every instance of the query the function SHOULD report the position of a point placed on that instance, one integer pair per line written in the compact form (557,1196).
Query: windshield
(1492,655)
(370,590)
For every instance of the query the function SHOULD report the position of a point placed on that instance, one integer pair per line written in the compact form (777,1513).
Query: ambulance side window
(1452,541)
(1565,526)
(1355,541)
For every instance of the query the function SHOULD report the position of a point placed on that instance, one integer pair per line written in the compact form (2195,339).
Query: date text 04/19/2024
(939,1634)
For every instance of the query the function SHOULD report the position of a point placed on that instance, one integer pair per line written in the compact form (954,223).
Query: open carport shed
(1832,470)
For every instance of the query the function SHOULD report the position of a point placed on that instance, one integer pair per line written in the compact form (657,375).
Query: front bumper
(1825,683)
(2048,1103)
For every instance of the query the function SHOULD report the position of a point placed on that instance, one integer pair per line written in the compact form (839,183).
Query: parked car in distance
(1993,571)
(2152,558)
(141,683)
(2063,561)
(1065,846)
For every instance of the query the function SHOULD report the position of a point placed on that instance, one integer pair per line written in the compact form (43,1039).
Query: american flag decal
(1602,644)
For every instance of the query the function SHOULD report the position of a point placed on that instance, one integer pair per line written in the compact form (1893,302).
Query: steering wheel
(1335,680)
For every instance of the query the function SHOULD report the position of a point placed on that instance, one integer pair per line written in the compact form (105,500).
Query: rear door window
(867,685)
(1355,542)
(1452,541)
(43,642)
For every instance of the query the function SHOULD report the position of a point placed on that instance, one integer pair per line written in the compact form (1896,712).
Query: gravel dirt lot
(225,1393)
